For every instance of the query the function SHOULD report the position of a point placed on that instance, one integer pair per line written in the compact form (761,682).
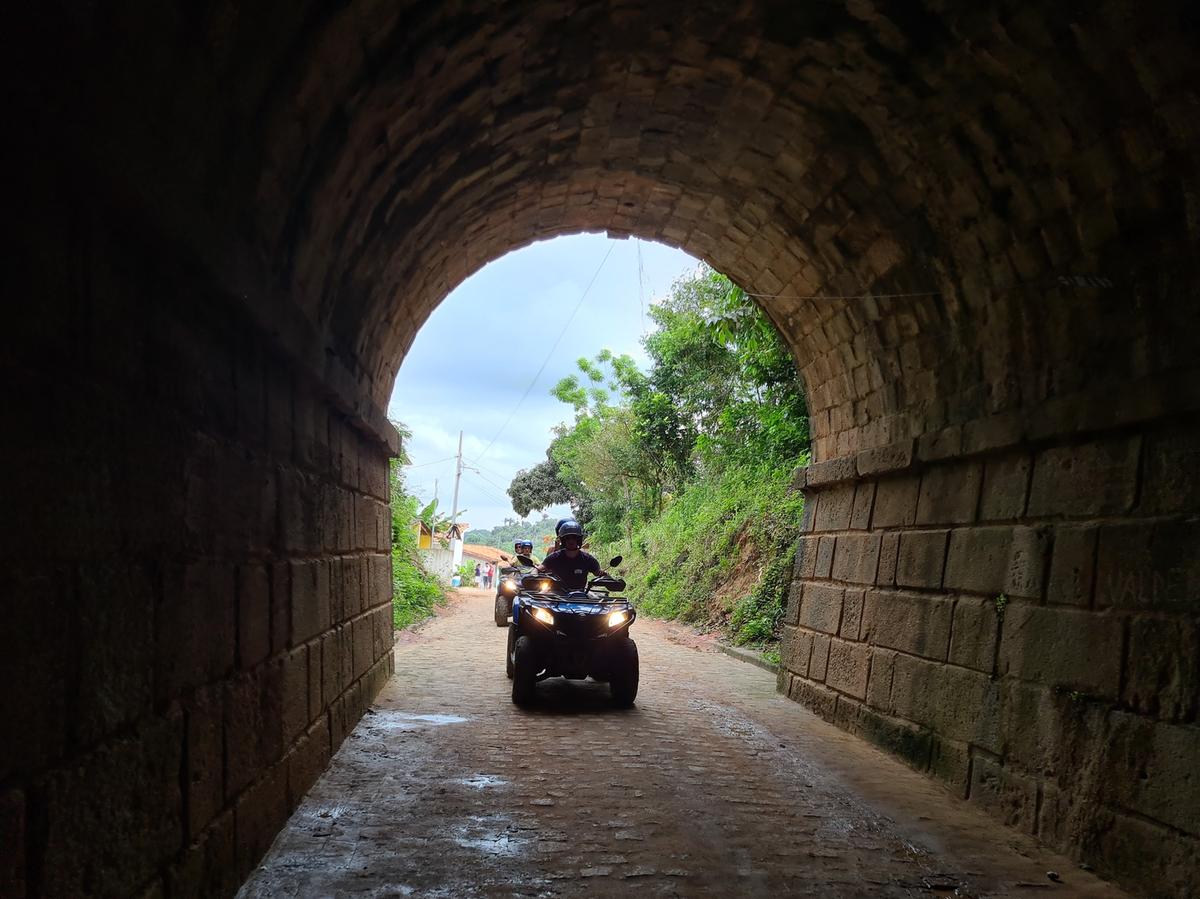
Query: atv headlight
(544,586)
(543,616)
(618,617)
(508,586)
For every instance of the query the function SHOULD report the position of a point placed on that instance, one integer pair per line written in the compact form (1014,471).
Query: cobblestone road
(713,785)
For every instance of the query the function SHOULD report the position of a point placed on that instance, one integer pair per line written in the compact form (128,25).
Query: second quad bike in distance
(508,585)
(572,634)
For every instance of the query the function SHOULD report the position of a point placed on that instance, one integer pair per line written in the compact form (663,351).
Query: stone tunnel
(976,226)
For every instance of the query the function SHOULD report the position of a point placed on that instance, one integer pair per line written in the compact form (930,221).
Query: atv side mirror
(504,557)
(615,561)
(526,561)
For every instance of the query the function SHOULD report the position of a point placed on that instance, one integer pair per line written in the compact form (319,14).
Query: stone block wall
(196,573)
(1021,622)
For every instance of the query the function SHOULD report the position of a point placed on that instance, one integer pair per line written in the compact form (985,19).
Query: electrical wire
(423,464)
(554,347)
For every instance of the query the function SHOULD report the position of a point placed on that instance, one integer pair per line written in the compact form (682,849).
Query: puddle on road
(483,781)
(492,835)
(391,720)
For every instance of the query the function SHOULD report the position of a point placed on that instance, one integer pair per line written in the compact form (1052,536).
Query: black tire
(624,681)
(503,607)
(508,651)
(525,671)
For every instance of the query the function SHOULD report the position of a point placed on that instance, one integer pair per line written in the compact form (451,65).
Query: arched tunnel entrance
(977,230)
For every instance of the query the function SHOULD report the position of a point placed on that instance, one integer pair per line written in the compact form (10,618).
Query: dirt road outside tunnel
(714,785)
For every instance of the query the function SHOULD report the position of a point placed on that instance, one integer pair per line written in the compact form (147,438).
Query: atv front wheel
(525,670)
(502,609)
(508,651)
(624,680)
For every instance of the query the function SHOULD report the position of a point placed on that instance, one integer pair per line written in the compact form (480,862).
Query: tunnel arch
(1008,195)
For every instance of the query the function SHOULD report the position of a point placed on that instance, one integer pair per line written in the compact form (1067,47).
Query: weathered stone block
(1007,795)
(821,700)
(1157,770)
(835,508)
(856,558)
(953,702)
(281,606)
(824,562)
(822,608)
(949,494)
(901,738)
(205,759)
(852,614)
(1045,731)
(950,762)
(1142,852)
(791,614)
(1062,648)
(254,615)
(893,457)
(864,501)
(1005,488)
(12,843)
(973,640)
(911,622)
(1072,566)
(848,666)
(114,816)
(295,694)
(197,627)
(260,814)
(310,599)
(1027,562)
(889,553)
(1093,479)
(818,661)
(806,558)
(978,559)
(896,502)
(795,647)
(208,867)
(307,759)
(1149,566)
(116,661)
(1171,481)
(254,725)
(921,558)
(1162,671)
(830,472)
(379,572)
(879,683)
(364,654)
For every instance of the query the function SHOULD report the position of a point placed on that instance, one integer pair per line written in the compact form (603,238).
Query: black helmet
(570,528)
(564,522)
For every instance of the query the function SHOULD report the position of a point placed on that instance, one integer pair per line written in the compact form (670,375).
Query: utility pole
(456,544)
(458,469)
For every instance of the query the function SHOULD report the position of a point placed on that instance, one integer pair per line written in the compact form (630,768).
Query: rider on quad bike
(571,564)
(508,582)
(565,625)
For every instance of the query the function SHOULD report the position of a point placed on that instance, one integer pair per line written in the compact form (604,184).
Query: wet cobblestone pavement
(713,785)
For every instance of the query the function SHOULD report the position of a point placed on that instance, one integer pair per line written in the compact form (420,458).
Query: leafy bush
(414,590)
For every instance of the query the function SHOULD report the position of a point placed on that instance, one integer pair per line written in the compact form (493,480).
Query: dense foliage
(414,590)
(685,468)
(503,536)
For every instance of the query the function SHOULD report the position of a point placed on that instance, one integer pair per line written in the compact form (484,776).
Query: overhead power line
(546,361)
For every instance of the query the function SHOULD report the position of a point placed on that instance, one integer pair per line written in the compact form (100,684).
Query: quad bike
(573,634)
(508,584)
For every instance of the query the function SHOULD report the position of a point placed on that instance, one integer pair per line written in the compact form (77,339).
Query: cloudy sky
(481,349)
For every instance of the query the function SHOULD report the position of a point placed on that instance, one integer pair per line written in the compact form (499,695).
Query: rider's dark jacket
(573,573)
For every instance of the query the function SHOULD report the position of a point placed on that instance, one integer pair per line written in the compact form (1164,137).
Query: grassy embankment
(719,555)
